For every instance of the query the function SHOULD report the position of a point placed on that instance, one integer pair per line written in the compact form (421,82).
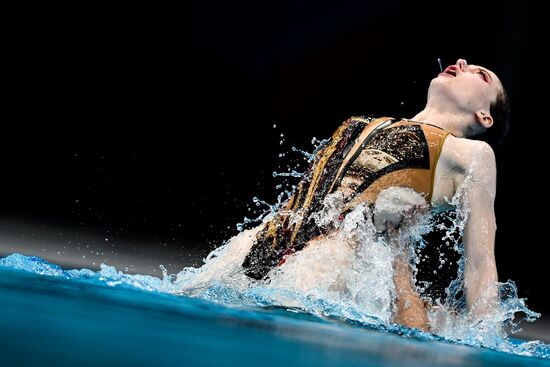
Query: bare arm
(480,272)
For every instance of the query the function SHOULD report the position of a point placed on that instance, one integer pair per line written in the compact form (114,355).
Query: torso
(450,166)
(395,153)
(432,162)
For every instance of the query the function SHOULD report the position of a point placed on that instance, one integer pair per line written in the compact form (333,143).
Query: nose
(461,64)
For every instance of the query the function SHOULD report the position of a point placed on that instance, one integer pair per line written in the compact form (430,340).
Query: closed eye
(484,75)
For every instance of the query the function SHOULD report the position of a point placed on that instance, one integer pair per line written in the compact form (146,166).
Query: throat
(449,122)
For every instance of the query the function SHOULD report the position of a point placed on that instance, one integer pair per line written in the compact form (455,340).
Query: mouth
(449,71)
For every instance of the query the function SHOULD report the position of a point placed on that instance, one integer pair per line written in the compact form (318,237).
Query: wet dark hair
(500,112)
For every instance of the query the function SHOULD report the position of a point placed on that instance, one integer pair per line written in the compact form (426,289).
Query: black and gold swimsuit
(363,157)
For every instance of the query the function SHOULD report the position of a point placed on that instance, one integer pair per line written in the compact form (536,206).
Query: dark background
(138,136)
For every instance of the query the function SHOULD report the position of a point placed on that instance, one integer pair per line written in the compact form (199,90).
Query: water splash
(440,67)
(262,295)
(318,144)
(345,276)
(348,275)
(292,173)
(284,195)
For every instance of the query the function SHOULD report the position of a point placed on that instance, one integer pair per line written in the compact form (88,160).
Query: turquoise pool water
(57,317)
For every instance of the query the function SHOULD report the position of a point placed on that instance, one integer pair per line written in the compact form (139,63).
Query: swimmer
(402,168)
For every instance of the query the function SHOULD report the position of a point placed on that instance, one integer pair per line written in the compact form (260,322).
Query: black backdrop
(148,131)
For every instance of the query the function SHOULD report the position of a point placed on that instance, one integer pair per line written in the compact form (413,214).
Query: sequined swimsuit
(363,157)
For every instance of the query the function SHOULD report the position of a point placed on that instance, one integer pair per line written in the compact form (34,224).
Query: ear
(484,118)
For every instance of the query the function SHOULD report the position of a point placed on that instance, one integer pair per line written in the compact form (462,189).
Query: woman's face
(470,88)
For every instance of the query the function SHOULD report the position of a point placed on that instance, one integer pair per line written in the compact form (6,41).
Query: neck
(452,122)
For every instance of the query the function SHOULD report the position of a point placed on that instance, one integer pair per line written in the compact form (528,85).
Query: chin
(437,87)
(440,88)
(440,80)
(437,84)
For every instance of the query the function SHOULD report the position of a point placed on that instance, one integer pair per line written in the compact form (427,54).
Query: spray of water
(349,273)
(270,209)
(346,275)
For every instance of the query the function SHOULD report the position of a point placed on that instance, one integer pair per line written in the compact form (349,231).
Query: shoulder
(364,120)
(352,126)
(467,153)
(472,162)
